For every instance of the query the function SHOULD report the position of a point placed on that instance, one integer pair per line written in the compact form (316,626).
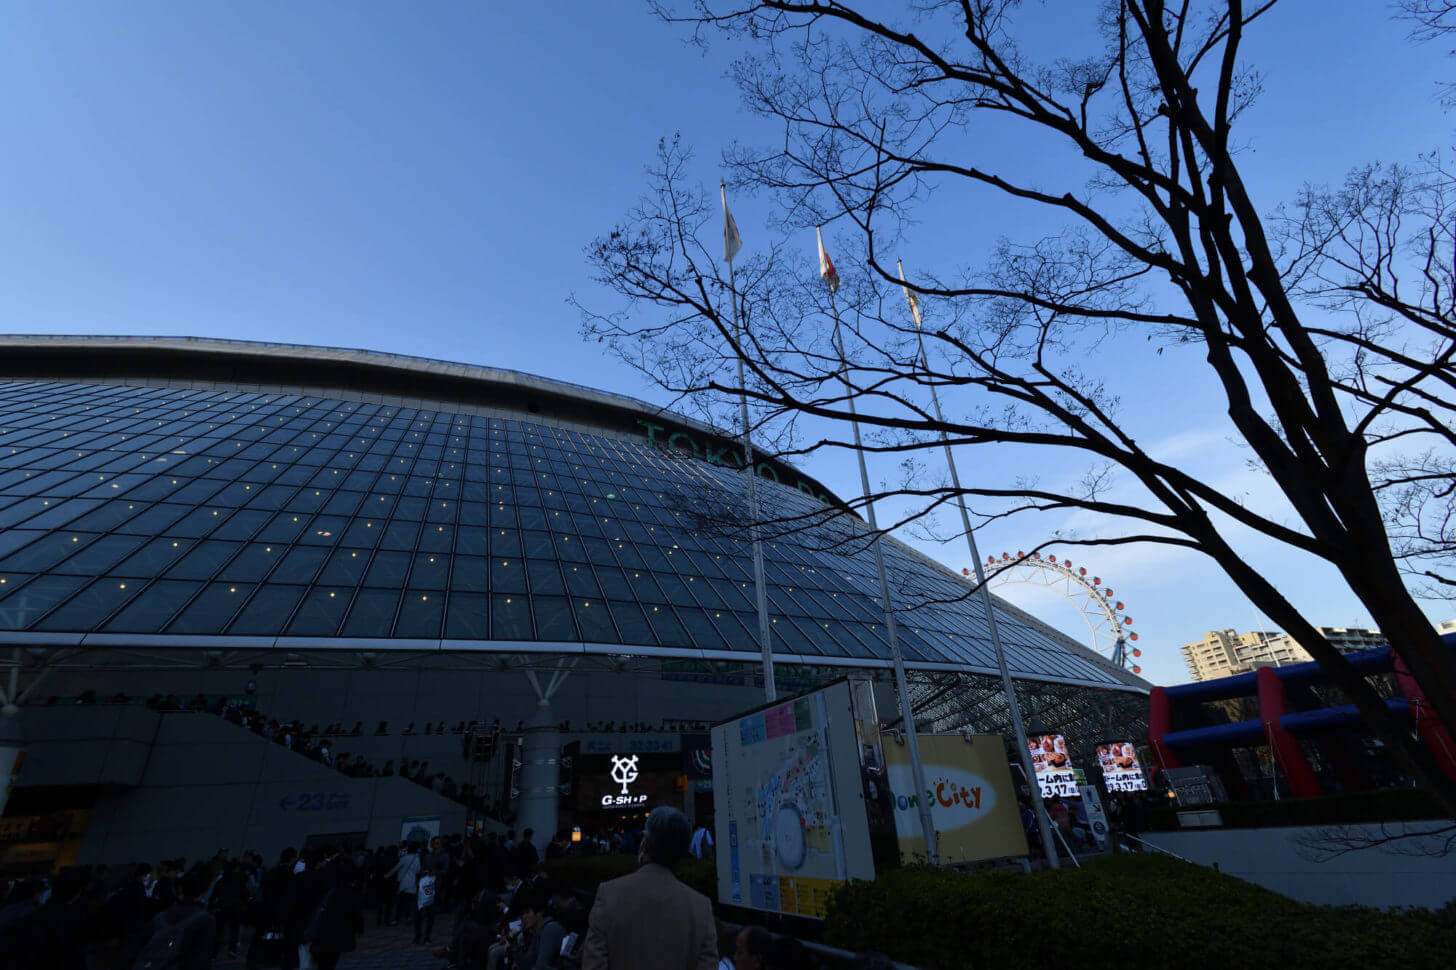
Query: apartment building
(1223,653)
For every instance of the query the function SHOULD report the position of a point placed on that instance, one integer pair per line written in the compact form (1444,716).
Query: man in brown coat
(649,920)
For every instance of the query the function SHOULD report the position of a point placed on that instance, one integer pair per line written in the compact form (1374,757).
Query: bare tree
(1324,329)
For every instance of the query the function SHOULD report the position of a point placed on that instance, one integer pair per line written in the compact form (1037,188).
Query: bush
(1141,910)
(584,874)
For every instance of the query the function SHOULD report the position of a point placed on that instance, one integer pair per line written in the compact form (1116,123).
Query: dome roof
(172,492)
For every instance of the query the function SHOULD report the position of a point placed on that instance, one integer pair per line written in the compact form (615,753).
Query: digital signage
(1120,768)
(1054,771)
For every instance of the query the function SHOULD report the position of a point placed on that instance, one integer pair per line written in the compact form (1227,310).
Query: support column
(1287,753)
(1160,723)
(1428,725)
(540,777)
(540,801)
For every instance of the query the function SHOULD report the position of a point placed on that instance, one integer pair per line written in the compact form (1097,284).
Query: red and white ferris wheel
(1107,622)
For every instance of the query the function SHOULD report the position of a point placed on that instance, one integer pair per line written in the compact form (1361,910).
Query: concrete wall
(209,784)
(72,745)
(401,696)
(1406,873)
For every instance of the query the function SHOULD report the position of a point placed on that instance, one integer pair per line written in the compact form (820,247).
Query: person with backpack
(184,934)
(542,948)
(229,892)
(338,920)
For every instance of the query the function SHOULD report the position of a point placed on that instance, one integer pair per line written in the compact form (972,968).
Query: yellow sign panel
(804,896)
(972,799)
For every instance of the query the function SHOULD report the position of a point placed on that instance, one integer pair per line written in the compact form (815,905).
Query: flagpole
(907,712)
(1028,770)
(731,242)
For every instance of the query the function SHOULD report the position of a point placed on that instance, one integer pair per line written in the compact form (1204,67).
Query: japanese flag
(826,265)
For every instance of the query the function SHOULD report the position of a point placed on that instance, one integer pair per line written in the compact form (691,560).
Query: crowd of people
(310,907)
(318,900)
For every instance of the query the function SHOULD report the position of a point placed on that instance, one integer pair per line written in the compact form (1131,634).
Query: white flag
(826,265)
(910,297)
(732,242)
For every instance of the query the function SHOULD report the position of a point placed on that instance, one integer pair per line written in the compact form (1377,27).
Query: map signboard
(972,801)
(788,799)
(1120,768)
(1053,766)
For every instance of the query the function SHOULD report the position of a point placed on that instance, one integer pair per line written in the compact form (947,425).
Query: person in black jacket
(271,912)
(228,895)
(131,915)
(305,890)
(18,922)
(199,935)
(339,917)
(60,927)
(524,854)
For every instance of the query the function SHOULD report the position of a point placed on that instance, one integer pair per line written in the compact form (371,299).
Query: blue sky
(422,179)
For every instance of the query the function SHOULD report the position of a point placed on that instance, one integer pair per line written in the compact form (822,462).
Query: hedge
(1352,808)
(1122,911)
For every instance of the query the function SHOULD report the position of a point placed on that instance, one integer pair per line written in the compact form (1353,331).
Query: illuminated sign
(628,780)
(1120,768)
(1054,772)
(624,773)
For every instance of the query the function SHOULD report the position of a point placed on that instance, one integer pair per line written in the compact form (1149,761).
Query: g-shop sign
(626,780)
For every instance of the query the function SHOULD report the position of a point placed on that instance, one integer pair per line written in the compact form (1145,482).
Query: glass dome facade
(136,513)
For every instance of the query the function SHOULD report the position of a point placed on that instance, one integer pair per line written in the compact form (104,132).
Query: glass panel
(101,554)
(554,620)
(42,555)
(345,568)
(205,559)
(150,611)
(320,613)
(266,613)
(507,576)
(469,574)
(665,623)
(372,614)
(300,564)
(545,577)
(430,571)
(632,624)
(388,569)
(211,610)
(27,604)
(84,611)
(252,564)
(594,621)
(510,618)
(467,618)
(419,614)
